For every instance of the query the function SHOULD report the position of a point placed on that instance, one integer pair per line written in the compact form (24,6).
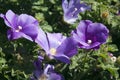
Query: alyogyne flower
(20,25)
(90,35)
(47,73)
(57,46)
(72,9)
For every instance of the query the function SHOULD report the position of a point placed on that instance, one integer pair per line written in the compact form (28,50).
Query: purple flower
(47,73)
(90,35)
(20,25)
(57,46)
(72,9)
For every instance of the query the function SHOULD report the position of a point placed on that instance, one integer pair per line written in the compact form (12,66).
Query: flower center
(52,51)
(82,9)
(43,77)
(59,42)
(19,28)
(76,9)
(89,41)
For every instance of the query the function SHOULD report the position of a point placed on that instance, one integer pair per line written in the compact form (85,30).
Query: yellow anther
(52,51)
(43,77)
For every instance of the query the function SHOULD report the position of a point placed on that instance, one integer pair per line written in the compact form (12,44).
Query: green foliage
(16,57)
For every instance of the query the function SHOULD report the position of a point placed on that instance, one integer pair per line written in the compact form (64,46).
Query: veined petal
(15,35)
(68,47)
(63,58)
(55,76)
(65,5)
(48,68)
(92,46)
(31,30)
(42,40)
(25,19)
(73,2)
(9,18)
(99,31)
(55,39)
(70,20)
(38,63)
(84,7)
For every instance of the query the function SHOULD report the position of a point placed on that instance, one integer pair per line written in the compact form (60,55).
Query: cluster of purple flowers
(87,35)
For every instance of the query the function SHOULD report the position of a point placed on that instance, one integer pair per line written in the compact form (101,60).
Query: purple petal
(31,30)
(54,76)
(63,58)
(55,39)
(15,35)
(92,46)
(83,7)
(69,20)
(40,58)
(68,47)
(38,63)
(2,16)
(38,67)
(10,18)
(42,40)
(99,31)
(37,74)
(65,5)
(25,19)
(48,68)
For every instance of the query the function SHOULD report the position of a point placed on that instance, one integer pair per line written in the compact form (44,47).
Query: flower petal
(54,76)
(65,5)
(25,19)
(55,39)
(42,40)
(99,31)
(9,18)
(31,30)
(68,47)
(63,58)
(15,35)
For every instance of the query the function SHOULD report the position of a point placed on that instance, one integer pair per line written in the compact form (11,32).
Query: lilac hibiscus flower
(90,35)
(45,74)
(20,25)
(57,46)
(72,9)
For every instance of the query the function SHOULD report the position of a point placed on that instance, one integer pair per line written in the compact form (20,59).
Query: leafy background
(17,56)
